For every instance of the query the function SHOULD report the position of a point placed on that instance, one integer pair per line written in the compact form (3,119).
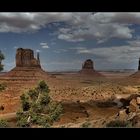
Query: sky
(66,39)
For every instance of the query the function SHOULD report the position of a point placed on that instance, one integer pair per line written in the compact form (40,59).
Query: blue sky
(66,40)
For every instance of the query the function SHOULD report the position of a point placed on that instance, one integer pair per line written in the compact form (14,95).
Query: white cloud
(123,56)
(29,22)
(117,54)
(38,50)
(44,45)
(100,27)
(79,26)
(60,51)
(134,43)
(15,47)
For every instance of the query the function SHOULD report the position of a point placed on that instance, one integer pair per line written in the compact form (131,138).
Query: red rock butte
(25,58)
(88,68)
(27,66)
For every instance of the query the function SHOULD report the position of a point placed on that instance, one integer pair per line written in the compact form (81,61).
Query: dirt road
(8,116)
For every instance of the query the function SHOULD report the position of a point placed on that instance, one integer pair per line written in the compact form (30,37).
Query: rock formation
(139,65)
(25,58)
(88,64)
(88,68)
(136,74)
(27,66)
(131,111)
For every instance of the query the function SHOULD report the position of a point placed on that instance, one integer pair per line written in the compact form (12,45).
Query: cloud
(15,47)
(60,65)
(134,43)
(28,22)
(60,51)
(78,26)
(44,45)
(100,27)
(38,50)
(115,53)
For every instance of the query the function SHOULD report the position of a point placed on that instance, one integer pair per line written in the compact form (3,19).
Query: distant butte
(27,66)
(136,74)
(88,68)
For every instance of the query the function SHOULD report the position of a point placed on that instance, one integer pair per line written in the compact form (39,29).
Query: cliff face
(25,58)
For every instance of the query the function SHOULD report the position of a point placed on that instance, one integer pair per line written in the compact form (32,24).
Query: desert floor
(85,99)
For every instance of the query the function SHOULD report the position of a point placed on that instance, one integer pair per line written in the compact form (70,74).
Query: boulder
(123,115)
(138,100)
(133,107)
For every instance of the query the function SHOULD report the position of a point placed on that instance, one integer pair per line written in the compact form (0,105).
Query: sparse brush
(2,87)
(86,125)
(3,124)
(118,123)
(37,108)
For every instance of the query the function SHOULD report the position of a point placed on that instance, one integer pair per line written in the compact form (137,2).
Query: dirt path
(8,116)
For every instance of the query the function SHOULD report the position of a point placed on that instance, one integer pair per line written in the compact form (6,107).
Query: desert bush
(2,87)
(118,123)
(42,86)
(38,108)
(25,102)
(55,110)
(3,124)
(86,125)
(22,119)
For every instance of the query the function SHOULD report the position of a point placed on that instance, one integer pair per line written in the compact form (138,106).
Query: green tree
(3,124)
(38,108)
(1,58)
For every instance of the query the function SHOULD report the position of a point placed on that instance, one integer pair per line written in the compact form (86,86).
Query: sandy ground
(78,94)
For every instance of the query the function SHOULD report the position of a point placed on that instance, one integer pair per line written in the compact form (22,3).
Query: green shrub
(38,108)
(118,123)
(25,102)
(86,125)
(33,94)
(45,99)
(55,111)
(3,124)
(42,86)
(22,119)
(2,87)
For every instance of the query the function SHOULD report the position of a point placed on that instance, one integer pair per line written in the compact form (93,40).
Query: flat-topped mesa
(25,58)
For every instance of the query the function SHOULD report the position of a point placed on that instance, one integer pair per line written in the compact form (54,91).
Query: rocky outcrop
(27,67)
(131,112)
(88,64)
(139,64)
(88,68)
(25,58)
